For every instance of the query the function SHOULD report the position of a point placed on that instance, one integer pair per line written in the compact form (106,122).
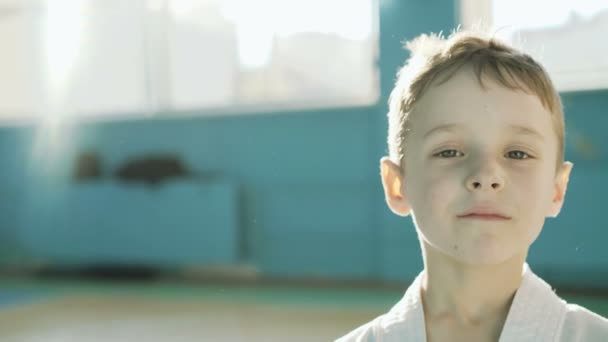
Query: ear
(560,185)
(392,182)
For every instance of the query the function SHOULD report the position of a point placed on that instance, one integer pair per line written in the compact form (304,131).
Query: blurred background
(193,170)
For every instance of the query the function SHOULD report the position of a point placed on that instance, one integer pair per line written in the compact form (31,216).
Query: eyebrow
(523,130)
(517,129)
(442,128)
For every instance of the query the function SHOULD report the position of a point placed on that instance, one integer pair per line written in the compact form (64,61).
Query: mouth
(485,217)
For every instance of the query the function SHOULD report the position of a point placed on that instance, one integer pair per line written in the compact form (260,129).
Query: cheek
(434,191)
(535,191)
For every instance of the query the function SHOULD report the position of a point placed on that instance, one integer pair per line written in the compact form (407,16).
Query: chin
(487,257)
(485,252)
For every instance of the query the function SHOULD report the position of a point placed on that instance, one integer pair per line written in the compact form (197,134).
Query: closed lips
(484,212)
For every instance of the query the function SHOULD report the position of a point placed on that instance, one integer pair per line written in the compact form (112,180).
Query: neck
(470,294)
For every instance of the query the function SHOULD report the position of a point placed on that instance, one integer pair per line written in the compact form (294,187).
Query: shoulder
(395,325)
(581,324)
(386,327)
(403,322)
(364,333)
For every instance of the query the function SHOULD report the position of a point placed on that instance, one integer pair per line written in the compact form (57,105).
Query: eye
(518,155)
(447,154)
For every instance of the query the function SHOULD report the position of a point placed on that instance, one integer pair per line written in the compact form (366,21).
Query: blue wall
(309,193)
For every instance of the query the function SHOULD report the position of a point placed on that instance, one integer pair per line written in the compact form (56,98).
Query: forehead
(463,101)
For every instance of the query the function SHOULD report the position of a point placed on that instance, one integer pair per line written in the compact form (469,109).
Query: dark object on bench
(152,170)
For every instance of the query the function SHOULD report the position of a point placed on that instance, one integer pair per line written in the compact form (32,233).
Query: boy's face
(499,156)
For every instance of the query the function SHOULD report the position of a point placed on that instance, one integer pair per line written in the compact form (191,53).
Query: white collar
(536,314)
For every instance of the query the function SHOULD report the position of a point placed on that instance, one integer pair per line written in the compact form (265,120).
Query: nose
(486,177)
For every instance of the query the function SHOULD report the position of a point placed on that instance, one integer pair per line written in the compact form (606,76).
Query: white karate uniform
(536,314)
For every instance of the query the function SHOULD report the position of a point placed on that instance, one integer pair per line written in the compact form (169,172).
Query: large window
(159,57)
(567,37)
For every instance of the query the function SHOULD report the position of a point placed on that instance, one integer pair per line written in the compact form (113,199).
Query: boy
(476,144)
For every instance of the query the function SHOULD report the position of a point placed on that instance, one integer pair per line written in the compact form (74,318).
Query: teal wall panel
(310,198)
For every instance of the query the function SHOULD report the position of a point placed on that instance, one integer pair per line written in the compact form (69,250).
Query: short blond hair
(433,56)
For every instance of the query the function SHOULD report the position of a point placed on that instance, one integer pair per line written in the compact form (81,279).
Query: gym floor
(53,310)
